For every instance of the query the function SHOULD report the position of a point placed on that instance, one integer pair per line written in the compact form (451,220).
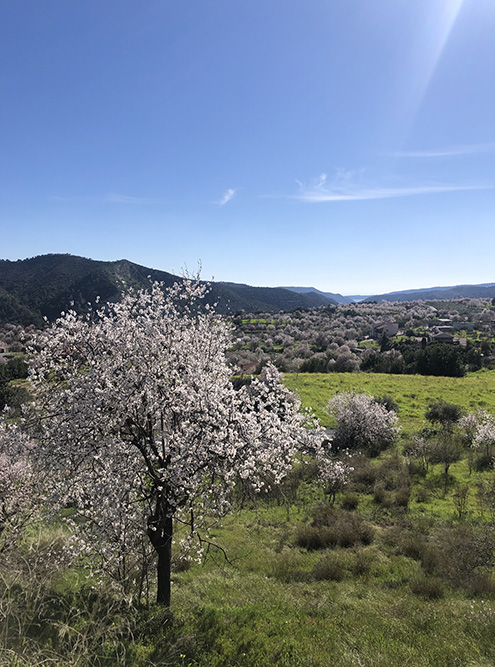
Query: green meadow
(412,393)
(397,572)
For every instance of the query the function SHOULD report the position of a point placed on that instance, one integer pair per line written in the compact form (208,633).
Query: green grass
(272,605)
(382,603)
(412,393)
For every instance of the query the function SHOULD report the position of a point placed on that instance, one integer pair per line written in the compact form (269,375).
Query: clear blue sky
(343,144)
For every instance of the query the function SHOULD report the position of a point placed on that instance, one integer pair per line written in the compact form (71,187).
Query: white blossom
(140,426)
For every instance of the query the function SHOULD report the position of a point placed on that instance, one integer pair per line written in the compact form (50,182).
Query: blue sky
(343,144)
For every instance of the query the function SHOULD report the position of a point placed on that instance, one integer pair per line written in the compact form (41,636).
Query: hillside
(484,291)
(338,298)
(44,286)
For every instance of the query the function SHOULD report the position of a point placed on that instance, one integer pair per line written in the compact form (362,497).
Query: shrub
(422,495)
(329,568)
(350,501)
(363,561)
(443,413)
(286,567)
(312,537)
(427,587)
(402,496)
(483,462)
(387,402)
(481,585)
(413,546)
(333,527)
(362,423)
(381,496)
(363,477)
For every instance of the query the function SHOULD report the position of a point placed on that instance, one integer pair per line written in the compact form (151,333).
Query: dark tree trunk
(160,531)
(164,565)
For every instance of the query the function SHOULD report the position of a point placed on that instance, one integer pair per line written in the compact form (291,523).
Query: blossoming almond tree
(140,426)
(362,423)
(18,485)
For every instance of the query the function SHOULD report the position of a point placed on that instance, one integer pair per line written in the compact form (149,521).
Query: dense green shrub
(333,527)
(428,587)
(330,567)
(350,501)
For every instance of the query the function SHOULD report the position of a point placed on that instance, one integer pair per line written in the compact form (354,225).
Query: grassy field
(274,604)
(398,572)
(412,393)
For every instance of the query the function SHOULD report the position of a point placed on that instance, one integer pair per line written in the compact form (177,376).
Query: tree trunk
(164,567)
(160,531)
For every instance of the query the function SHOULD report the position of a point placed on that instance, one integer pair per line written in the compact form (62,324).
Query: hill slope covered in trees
(46,285)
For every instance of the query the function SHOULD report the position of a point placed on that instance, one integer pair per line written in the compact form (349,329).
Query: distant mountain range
(335,298)
(485,290)
(44,286)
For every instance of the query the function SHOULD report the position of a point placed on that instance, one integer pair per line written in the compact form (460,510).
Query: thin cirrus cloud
(227,196)
(319,191)
(467,149)
(110,198)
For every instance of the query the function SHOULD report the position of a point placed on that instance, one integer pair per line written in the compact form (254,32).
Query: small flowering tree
(478,428)
(140,426)
(484,437)
(362,423)
(333,475)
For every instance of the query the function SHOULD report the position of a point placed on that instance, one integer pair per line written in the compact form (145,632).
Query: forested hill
(484,291)
(44,286)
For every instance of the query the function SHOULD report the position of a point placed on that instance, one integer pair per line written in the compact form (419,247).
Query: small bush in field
(329,568)
(381,496)
(363,561)
(402,496)
(481,585)
(413,546)
(287,567)
(312,537)
(422,495)
(483,462)
(350,501)
(416,468)
(363,478)
(427,587)
(333,527)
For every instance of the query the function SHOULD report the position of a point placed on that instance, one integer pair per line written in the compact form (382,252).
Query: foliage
(10,394)
(333,475)
(445,414)
(139,425)
(412,393)
(19,485)
(45,285)
(363,424)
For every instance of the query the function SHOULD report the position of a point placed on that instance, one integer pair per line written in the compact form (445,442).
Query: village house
(386,328)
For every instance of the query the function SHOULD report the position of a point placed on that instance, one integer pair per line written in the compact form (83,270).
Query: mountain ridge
(44,286)
(444,293)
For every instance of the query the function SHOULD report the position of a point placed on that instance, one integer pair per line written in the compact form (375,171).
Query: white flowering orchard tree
(479,429)
(19,486)
(362,423)
(140,426)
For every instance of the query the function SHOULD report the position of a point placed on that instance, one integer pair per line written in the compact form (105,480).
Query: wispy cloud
(467,149)
(114,198)
(227,196)
(320,191)
(109,198)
